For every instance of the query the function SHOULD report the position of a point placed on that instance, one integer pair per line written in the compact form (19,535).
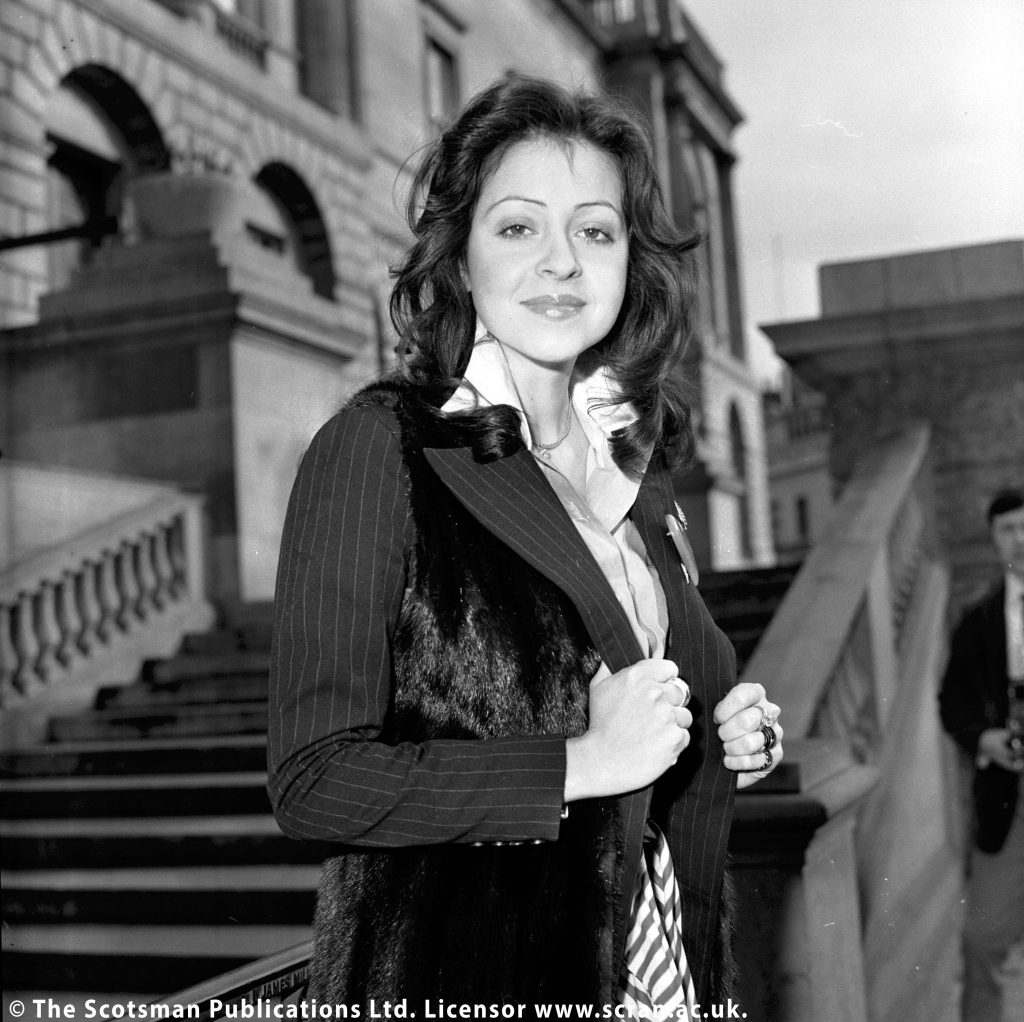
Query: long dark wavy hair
(433,311)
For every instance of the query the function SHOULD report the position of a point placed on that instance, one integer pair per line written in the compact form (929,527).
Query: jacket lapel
(511,498)
(655,500)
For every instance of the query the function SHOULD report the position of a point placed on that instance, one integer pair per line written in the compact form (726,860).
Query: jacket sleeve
(340,582)
(962,694)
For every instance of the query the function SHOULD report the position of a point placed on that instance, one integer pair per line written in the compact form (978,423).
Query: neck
(544,392)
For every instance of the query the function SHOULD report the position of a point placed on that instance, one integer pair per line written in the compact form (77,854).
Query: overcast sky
(873,127)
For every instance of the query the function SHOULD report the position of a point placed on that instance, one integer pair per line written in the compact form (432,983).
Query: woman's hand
(638,727)
(741,716)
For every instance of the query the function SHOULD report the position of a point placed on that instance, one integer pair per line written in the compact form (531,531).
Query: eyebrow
(537,202)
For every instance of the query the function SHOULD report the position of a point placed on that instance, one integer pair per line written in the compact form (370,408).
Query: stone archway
(315,258)
(124,107)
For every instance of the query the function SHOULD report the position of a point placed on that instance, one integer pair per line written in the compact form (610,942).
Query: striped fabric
(656,980)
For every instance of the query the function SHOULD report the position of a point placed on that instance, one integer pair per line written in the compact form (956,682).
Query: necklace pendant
(542,453)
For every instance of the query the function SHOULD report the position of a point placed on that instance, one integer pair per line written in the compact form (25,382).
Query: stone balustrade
(87,611)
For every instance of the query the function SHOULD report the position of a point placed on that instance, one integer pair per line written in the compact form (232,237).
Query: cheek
(615,283)
(483,273)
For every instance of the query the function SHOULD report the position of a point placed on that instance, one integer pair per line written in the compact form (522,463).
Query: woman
(485,639)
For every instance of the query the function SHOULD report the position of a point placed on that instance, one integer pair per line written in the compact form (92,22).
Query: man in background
(982,707)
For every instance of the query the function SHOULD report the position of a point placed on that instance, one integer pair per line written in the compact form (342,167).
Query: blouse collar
(610,491)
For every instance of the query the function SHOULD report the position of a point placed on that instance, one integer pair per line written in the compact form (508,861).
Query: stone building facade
(934,337)
(796,427)
(200,198)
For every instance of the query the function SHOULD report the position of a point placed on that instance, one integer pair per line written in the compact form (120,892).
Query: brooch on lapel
(677,533)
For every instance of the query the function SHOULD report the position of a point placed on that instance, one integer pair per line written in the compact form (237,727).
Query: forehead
(1009,519)
(538,168)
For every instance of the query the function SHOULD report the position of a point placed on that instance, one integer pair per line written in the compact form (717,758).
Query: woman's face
(547,252)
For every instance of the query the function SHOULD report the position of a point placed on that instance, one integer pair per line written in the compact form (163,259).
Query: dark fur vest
(485,646)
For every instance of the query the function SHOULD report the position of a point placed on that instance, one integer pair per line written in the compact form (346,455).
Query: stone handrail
(853,655)
(829,654)
(70,613)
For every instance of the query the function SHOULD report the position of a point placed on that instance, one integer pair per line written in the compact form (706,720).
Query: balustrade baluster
(27,646)
(109,597)
(47,631)
(90,612)
(146,575)
(8,654)
(127,586)
(69,621)
(162,563)
(176,552)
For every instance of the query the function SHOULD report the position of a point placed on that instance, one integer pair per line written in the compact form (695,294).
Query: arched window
(99,132)
(286,219)
(738,457)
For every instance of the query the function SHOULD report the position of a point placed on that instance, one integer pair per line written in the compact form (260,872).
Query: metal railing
(278,979)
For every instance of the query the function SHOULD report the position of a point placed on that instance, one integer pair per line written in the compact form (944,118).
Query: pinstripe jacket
(358,758)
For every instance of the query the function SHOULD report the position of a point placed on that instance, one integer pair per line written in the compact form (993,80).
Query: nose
(559,260)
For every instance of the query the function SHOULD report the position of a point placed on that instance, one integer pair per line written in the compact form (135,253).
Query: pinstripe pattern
(340,584)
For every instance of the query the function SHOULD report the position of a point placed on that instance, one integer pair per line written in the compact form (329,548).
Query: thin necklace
(542,450)
(545,449)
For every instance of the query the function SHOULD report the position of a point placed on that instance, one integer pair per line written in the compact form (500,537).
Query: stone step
(251,636)
(252,895)
(186,666)
(150,958)
(161,722)
(146,795)
(227,753)
(241,688)
(151,841)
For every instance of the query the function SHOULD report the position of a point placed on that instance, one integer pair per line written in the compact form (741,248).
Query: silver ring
(771,739)
(768,760)
(768,717)
(683,688)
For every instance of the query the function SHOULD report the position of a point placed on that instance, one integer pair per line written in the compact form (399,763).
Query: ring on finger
(771,739)
(768,716)
(768,760)
(683,688)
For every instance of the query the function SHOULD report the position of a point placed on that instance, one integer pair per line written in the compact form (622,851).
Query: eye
(514,230)
(598,235)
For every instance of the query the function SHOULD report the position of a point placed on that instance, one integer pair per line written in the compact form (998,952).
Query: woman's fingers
(755,766)
(683,717)
(677,692)
(754,742)
(750,732)
(739,697)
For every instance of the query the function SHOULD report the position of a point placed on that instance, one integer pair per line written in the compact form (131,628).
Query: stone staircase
(743,602)
(139,851)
